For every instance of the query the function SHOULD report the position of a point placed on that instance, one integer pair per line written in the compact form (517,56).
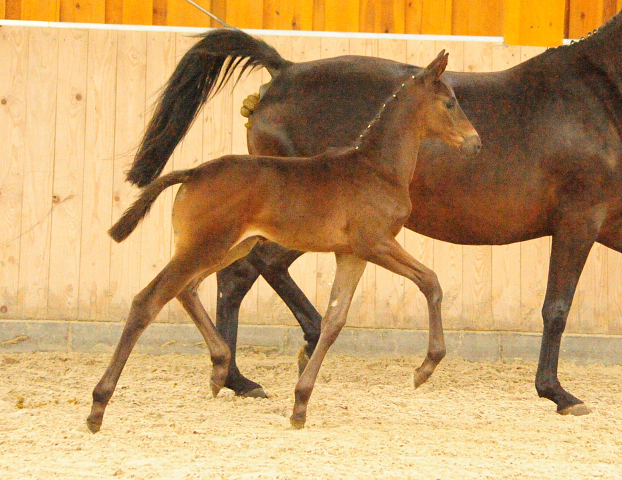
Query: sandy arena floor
(471,421)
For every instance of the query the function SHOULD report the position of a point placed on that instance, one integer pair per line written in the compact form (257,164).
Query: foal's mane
(393,97)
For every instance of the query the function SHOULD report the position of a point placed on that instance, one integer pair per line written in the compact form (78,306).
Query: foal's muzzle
(471,145)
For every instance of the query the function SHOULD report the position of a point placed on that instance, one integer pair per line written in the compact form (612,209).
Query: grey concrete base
(28,336)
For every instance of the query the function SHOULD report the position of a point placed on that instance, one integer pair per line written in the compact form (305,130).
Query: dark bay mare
(352,201)
(551,162)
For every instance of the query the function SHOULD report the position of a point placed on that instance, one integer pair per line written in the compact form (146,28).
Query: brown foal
(352,202)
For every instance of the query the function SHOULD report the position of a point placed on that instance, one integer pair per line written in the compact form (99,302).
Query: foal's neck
(391,139)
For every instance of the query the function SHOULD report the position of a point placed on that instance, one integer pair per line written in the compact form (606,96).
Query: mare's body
(551,165)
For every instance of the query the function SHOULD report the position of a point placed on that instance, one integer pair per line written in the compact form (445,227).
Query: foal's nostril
(471,145)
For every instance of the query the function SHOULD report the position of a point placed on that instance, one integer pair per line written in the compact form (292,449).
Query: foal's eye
(450,103)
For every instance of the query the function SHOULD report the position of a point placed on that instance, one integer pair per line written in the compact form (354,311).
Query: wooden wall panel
(13,78)
(534,22)
(84,11)
(69,161)
(436,17)
(249,13)
(46,10)
(97,194)
(341,15)
(64,265)
(38,172)
(129,125)
(477,18)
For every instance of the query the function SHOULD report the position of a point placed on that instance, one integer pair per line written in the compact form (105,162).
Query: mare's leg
(347,276)
(273,261)
(394,258)
(145,306)
(234,282)
(570,248)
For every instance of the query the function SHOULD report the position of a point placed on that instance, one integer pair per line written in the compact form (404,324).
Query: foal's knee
(431,288)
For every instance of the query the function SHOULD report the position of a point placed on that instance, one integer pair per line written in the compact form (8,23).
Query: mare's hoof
(303,360)
(298,421)
(258,392)
(92,426)
(576,410)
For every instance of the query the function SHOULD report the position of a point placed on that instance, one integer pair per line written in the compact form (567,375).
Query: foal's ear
(437,67)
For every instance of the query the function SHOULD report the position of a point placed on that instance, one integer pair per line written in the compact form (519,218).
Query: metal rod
(222,22)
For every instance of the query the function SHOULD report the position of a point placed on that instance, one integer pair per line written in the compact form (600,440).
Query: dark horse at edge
(551,162)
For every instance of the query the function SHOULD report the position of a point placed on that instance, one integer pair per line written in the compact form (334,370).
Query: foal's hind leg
(394,258)
(145,306)
(347,276)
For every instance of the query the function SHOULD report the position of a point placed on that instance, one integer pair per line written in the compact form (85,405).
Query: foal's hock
(352,202)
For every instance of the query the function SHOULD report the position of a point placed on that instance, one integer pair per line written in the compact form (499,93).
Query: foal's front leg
(394,258)
(347,276)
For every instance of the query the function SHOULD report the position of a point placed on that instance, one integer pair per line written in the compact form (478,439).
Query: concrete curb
(159,338)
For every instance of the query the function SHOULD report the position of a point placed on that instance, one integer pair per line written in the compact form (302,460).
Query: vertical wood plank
(44,10)
(413,16)
(584,16)
(94,295)
(533,22)
(85,11)
(477,18)
(436,17)
(68,175)
(13,79)
(589,307)
(246,14)
(156,234)
(341,15)
(137,12)
(38,172)
(477,260)
(183,14)
(506,287)
(129,126)
(614,292)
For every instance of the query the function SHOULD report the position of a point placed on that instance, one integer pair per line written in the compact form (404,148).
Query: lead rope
(210,14)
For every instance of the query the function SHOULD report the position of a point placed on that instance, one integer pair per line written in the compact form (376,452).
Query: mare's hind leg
(394,258)
(145,306)
(347,276)
(272,262)
(570,248)
(234,282)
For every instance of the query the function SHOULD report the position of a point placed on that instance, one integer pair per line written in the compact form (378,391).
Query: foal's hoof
(216,388)
(298,420)
(92,426)
(576,410)
(420,378)
(258,392)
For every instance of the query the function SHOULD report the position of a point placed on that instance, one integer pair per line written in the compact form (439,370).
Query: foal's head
(440,113)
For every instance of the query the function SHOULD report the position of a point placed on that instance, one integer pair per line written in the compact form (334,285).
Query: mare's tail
(201,73)
(136,212)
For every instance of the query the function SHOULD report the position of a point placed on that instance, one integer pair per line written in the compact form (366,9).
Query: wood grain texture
(13,78)
(66,234)
(125,259)
(97,193)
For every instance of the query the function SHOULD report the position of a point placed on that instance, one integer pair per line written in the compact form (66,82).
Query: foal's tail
(133,215)
(201,73)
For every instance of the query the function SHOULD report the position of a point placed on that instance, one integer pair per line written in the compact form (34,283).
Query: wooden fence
(73,106)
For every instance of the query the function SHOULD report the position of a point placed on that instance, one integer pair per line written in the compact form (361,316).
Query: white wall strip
(287,33)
